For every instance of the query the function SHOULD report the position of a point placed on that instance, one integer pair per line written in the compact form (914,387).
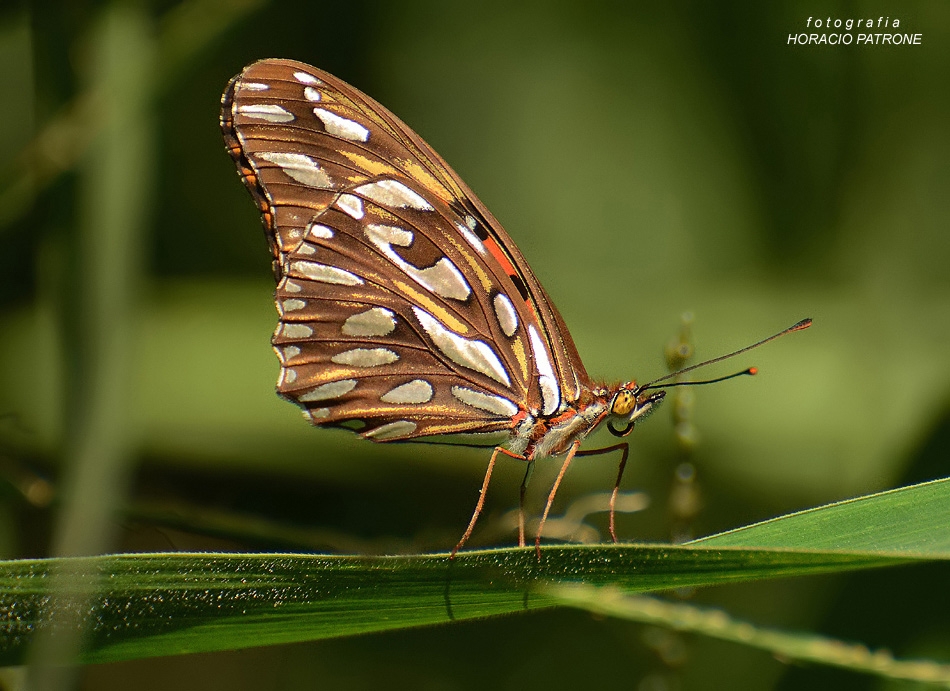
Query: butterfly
(406,311)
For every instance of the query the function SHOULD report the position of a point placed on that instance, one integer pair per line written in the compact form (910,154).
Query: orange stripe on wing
(502,258)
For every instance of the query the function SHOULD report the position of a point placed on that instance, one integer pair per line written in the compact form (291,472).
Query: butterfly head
(630,404)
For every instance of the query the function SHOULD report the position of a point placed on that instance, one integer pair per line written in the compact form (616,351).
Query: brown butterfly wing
(405,309)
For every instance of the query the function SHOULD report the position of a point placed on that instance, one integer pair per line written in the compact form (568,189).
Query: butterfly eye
(633,407)
(624,403)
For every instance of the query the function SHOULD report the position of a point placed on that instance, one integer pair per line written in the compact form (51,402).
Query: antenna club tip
(752,371)
(803,324)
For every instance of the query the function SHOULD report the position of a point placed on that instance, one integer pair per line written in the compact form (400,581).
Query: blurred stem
(786,645)
(185,31)
(116,179)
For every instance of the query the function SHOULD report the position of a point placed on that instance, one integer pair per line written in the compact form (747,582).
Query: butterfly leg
(524,487)
(481,496)
(547,507)
(624,448)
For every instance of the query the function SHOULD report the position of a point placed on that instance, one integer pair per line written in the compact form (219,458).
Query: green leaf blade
(908,521)
(147,605)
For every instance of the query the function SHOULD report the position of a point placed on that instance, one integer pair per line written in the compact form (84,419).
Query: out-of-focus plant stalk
(100,312)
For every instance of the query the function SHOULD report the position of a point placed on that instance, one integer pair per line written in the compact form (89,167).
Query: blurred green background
(648,160)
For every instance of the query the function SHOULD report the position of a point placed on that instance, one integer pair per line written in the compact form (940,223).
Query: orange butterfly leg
(547,507)
(624,447)
(481,497)
(524,487)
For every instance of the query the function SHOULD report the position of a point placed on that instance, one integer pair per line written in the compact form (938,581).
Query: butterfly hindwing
(405,309)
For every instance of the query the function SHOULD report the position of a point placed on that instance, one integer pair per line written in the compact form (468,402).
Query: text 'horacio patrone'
(846,32)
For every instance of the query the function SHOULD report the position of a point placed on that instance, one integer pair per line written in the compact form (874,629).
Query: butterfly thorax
(539,437)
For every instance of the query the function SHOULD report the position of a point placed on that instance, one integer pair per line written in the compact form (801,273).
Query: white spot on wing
(550,393)
(365,357)
(393,193)
(287,376)
(318,231)
(399,428)
(442,278)
(466,229)
(311,94)
(254,86)
(350,205)
(296,331)
(305,78)
(415,391)
(377,321)
(333,389)
(319,413)
(341,127)
(292,304)
(299,167)
(289,286)
(475,355)
(269,112)
(388,235)
(498,405)
(286,353)
(325,273)
(507,317)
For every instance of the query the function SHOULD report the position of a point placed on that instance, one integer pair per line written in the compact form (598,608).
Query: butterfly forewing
(405,308)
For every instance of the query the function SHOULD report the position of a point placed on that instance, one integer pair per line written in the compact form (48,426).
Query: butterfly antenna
(803,324)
